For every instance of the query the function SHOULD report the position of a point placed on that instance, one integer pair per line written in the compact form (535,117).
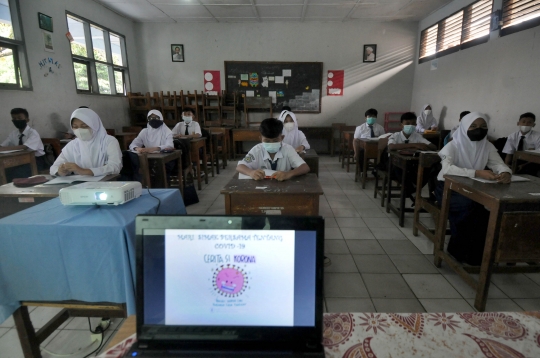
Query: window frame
(525,25)
(91,62)
(462,46)
(18,47)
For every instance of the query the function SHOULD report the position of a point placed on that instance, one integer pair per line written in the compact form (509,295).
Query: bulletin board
(294,84)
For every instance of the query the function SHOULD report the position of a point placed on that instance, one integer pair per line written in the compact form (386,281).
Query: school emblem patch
(249,158)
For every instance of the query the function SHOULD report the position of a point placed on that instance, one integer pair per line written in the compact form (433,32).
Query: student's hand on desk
(485,174)
(299,149)
(281,176)
(140,150)
(422,146)
(68,168)
(504,178)
(257,174)
(434,128)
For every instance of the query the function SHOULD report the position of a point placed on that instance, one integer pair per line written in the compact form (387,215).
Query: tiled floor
(376,265)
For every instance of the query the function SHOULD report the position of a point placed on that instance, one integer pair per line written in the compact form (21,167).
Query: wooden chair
(256,103)
(132,129)
(110,131)
(342,143)
(382,174)
(223,143)
(229,108)
(425,162)
(335,127)
(190,101)
(370,160)
(139,105)
(55,144)
(212,110)
(169,108)
(195,158)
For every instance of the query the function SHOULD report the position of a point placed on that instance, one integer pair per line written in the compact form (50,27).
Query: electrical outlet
(105,323)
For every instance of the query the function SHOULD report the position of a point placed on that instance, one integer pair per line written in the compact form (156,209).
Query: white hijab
(292,137)
(155,137)
(91,153)
(425,119)
(468,154)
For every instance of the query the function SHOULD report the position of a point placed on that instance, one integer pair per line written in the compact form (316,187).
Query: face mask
(477,134)
(408,129)
(523,129)
(289,126)
(272,147)
(155,123)
(19,123)
(84,134)
(427,112)
(371,121)
(187,119)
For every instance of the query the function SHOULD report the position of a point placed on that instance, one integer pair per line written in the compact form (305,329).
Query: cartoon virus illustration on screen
(230,280)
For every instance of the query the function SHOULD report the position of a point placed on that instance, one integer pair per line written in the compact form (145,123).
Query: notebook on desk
(229,286)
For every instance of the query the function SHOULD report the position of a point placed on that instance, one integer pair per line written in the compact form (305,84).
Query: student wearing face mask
(426,120)
(453,130)
(467,155)
(272,154)
(155,137)
(93,152)
(291,134)
(188,128)
(524,139)
(23,137)
(369,129)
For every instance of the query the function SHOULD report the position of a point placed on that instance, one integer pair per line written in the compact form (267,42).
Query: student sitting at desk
(93,152)
(524,139)
(291,134)
(467,155)
(369,129)
(188,128)
(24,137)
(425,120)
(272,154)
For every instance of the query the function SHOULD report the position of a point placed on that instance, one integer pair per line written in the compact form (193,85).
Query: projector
(101,193)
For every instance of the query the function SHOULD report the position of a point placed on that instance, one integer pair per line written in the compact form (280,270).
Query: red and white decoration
(212,82)
(334,86)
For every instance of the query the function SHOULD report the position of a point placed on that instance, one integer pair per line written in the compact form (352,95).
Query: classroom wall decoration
(334,86)
(370,53)
(294,84)
(45,22)
(212,82)
(177,53)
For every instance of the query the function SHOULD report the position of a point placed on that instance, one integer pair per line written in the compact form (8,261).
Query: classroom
(407,125)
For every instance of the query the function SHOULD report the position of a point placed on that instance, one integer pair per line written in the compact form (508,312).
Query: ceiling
(272,10)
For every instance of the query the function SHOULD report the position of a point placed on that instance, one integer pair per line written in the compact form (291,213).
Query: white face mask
(289,126)
(187,119)
(427,112)
(525,129)
(408,129)
(84,134)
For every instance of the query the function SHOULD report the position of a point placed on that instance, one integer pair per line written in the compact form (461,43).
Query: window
(465,28)
(14,72)
(99,58)
(518,15)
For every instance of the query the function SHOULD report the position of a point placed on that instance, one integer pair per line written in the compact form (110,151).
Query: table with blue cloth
(53,253)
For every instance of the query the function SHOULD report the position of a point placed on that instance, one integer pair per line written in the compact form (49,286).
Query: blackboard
(301,90)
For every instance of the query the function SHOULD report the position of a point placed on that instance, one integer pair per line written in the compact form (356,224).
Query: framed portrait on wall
(45,22)
(370,53)
(177,53)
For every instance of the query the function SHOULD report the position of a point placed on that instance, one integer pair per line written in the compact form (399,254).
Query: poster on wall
(48,42)
(334,86)
(212,82)
(177,53)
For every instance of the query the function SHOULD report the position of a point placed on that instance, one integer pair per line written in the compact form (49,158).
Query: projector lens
(101,196)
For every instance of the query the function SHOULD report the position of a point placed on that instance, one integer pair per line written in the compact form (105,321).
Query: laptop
(229,286)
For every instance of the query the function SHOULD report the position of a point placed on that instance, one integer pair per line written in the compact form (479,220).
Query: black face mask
(19,123)
(477,134)
(155,123)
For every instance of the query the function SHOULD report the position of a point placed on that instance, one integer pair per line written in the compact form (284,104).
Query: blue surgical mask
(408,129)
(272,147)
(371,121)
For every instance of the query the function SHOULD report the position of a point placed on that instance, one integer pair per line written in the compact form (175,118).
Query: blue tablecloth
(52,252)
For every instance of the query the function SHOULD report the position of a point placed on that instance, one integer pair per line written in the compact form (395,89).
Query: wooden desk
(14,199)
(434,138)
(498,199)
(226,142)
(214,145)
(128,328)
(161,173)
(371,151)
(312,160)
(403,162)
(244,135)
(197,143)
(125,139)
(348,145)
(335,126)
(325,133)
(533,157)
(14,159)
(298,196)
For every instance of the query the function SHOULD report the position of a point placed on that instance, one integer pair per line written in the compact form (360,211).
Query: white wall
(54,98)
(499,78)
(385,85)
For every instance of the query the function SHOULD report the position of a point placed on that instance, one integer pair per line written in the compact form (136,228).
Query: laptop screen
(232,271)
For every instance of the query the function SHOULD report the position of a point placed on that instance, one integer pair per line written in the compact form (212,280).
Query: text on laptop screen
(212,277)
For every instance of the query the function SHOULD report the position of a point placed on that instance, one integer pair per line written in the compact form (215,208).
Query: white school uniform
(30,138)
(193,127)
(286,157)
(363,131)
(399,138)
(424,121)
(453,130)
(531,141)
(149,137)
(294,137)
